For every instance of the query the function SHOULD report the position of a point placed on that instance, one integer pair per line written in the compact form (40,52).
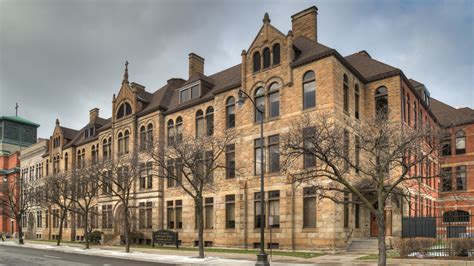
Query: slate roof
(69,133)
(79,137)
(166,98)
(370,68)
(449,116)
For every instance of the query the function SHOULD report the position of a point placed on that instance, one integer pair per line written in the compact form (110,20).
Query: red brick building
(9,172)
(456,188)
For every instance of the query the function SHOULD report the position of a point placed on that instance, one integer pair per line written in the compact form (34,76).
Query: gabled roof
(449,116)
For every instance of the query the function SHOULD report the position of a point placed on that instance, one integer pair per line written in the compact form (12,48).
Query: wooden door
(374,229)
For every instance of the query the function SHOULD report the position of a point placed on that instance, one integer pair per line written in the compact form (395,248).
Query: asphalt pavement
(11,255)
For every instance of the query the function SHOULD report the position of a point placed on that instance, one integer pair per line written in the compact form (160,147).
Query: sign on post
(165,237)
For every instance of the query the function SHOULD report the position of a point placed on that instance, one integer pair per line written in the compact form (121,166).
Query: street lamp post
(262,258)
(22,208)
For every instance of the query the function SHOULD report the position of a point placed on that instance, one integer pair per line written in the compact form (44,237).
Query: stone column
(388,216)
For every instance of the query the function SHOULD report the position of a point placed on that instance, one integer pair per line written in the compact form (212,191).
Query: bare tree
(191,163)
(59,189)
(119,176)
(17,198)
(318,152)
(84,198)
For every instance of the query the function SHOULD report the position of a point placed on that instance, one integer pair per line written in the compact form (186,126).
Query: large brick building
(456,193)
(291,74)
(16,134)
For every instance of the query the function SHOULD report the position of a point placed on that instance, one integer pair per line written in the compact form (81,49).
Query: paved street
(11,255)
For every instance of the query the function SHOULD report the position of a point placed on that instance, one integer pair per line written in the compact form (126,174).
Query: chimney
(196,64)
(93,114)
(305,23)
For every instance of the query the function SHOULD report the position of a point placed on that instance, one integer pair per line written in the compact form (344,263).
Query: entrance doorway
(374,229)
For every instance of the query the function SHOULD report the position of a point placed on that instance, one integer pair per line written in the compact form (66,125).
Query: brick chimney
(93,114)
(196,64)
(305,23)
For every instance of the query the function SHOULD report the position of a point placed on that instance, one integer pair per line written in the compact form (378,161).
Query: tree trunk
(126,229)
(20,231)
(200,221)
(86,232)
(60,235)
(382,258)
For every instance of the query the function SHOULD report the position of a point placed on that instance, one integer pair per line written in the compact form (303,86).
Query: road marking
(51,257)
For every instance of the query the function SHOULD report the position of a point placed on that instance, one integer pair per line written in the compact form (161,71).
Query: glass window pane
(309,90)
(195,92)
(274,104)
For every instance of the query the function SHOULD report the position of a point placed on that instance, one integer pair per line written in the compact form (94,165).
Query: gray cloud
(59,59)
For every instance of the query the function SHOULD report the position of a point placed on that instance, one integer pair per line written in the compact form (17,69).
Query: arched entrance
(118,221)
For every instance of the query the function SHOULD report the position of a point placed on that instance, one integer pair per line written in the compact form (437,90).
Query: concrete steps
(366,245)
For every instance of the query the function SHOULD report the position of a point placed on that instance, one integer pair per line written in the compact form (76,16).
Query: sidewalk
(184,257)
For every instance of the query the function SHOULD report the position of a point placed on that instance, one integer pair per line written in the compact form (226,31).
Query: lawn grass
(390,254)
(298,254)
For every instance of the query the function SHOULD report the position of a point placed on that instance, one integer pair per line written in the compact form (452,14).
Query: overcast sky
(59,59)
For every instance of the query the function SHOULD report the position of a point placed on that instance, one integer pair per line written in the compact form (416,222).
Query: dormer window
(88,133)
(190,93)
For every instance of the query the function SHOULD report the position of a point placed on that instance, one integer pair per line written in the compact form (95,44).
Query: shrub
(405,246)
(95,237)
(424,244)
(461,246)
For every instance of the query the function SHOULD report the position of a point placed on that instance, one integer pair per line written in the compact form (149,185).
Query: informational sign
(165,237)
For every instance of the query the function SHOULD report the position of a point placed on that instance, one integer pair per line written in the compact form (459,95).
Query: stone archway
(118,220)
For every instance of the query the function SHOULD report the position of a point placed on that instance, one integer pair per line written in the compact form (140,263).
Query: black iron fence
(451,234)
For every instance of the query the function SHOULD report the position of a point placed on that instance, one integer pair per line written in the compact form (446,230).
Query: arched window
(179,129)
(66,161)
(170,132)
(260,102)
(309,90)
(109,148)
(126,141)
(345,89)
(200,123)
(415,115)
(79,158)
(256,62)
(120,143)
(458,216)
(149,135)
(210,120)
(230,112)
(276,54)
(93,153)
(381,103)
(104,149)
(460,142)
(47,167)
(142,138)
(274,99)
(356,101)
(408,110)
(124,110)
(266,58)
